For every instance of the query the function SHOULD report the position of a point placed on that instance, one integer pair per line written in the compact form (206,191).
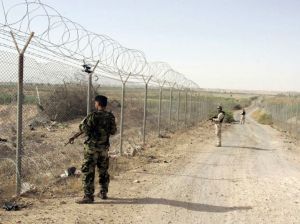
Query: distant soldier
(243,117)
(97,127)
(218,120)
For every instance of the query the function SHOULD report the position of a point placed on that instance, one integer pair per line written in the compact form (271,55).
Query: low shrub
(229,117)
(262,117)
(65,103)
(237,107)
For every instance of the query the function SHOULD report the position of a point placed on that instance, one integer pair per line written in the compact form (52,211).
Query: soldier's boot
(103,195)
(86,200)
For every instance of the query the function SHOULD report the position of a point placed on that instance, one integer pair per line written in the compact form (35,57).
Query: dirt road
(253,178)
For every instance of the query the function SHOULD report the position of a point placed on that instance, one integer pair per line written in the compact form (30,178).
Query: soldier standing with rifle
(97,127)
(243,116)
(218,120)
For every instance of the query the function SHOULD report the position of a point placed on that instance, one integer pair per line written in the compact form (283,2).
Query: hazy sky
(241,44)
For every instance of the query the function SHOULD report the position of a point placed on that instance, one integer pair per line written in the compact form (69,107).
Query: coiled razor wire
(58,38)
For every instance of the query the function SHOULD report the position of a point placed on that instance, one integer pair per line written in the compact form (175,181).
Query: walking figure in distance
(243,117)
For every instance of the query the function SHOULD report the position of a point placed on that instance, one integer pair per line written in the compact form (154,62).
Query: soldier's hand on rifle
(71,140)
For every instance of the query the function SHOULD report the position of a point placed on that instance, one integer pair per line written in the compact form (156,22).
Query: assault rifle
(211,119)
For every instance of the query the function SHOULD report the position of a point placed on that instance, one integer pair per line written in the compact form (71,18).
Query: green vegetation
(6,98)
(68,101)
(65,104)
(229,117)
(232,103)
(285,112)
(262,117)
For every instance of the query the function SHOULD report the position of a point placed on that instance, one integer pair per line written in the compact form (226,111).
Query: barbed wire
(59,37)
(56,89)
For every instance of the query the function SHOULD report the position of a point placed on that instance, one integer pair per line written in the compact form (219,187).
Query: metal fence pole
(295,115)
(159,109)
(178,110)
(20,98)
(89,90)
(170,106)
(185,108)
(145,113)
(199,107)
(89,97)
(291,114)
(277,115)
(286,120)
(191,107)
(122,118)
(297,119)
(19,124)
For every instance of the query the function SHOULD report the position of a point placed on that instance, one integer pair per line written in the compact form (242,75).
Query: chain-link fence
(55,100)
(285,112)
(45,92)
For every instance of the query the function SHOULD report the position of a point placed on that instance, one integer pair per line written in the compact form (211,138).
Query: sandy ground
(253,178)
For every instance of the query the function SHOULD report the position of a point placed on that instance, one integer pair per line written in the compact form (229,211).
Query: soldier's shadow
(199,207)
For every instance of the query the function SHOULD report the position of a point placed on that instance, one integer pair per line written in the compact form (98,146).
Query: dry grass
(262,117)
(45,156)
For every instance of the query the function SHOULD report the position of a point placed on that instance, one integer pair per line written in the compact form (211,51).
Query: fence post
(88,100)
(297,114)
(89,90)
(20,98)
(145,113)
(122,118)
(199,107)
(38,95)
(159,109)
(19,124)
(286,120)
(191,108)
(185,109)
(178,109)
(170,106)
(291,114)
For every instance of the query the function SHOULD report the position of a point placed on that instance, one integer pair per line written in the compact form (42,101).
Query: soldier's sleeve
(86,125)
(113,125)
(215,119)
(219,118)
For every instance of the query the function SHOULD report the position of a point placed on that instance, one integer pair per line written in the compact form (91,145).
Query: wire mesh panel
(285,113)
(133,116)
(165,107)
(8,116)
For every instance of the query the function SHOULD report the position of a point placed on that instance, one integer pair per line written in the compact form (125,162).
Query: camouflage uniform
(97,126)
(218,127)
(243,117)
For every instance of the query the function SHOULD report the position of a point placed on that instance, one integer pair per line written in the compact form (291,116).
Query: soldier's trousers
(242,119)
(93,159)
(218,131)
